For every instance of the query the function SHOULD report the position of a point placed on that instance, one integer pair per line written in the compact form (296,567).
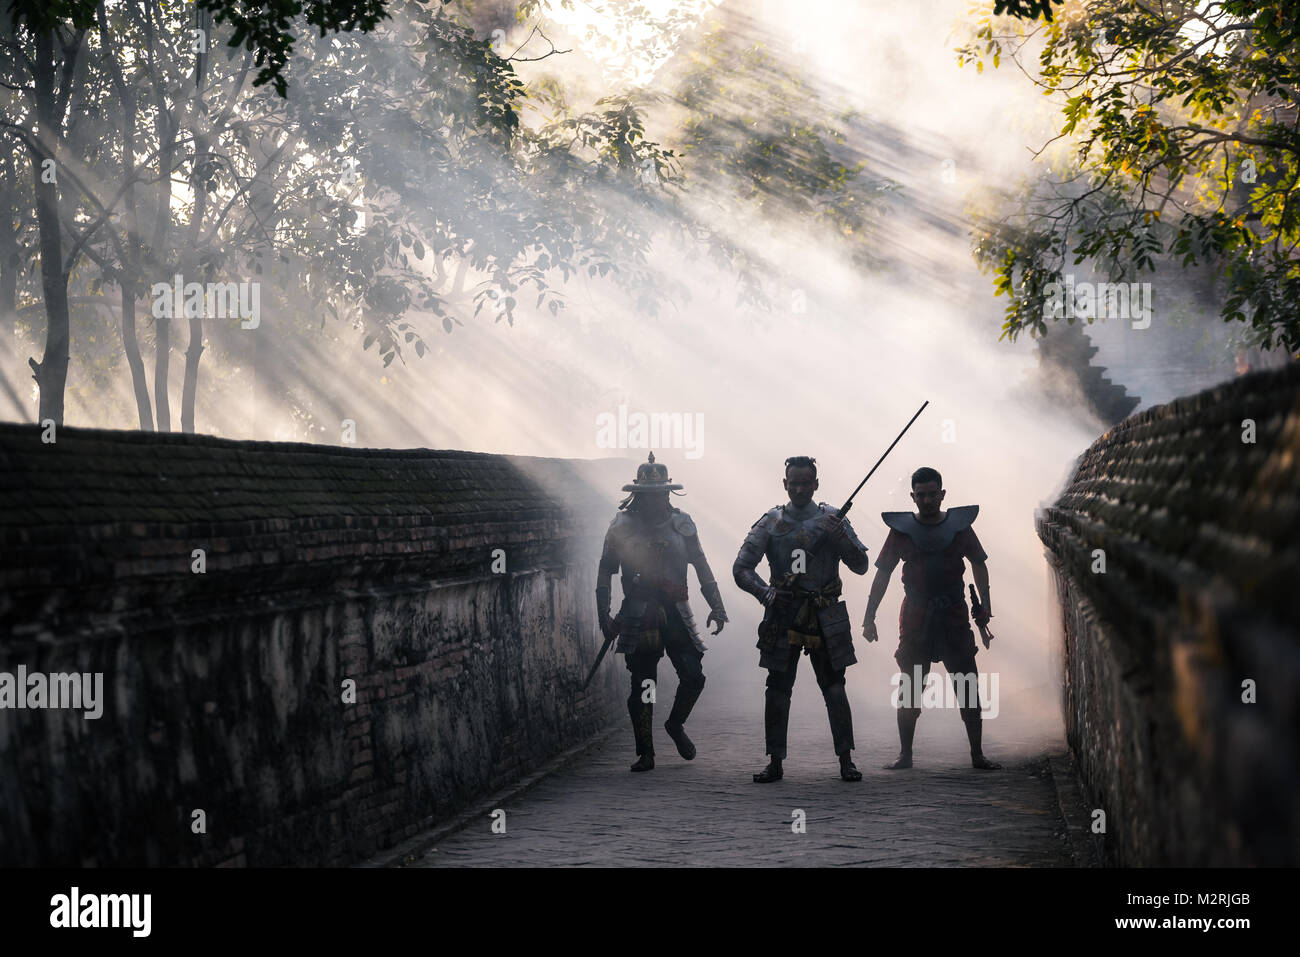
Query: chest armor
(940,569)
(787,536)
(653,556)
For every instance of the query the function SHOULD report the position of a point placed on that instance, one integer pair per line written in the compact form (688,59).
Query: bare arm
(879,585)
(980,572)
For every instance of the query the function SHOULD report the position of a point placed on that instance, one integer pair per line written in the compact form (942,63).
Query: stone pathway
(709,811)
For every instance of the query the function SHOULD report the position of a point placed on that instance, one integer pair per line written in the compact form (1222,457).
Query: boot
(776,718)
(906,731)
(848,770)
(770,773)
(642,715)
(841,718)
(685,746)
(682,705)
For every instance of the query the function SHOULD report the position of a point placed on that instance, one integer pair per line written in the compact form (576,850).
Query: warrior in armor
(934,624)
(652,542)
(804,542)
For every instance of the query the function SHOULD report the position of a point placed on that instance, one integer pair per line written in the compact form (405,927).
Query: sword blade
(596,664)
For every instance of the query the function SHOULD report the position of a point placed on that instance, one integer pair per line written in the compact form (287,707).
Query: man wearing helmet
(652,542)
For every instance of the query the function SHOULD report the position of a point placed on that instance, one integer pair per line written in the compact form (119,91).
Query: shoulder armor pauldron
(932,538)
(777,524)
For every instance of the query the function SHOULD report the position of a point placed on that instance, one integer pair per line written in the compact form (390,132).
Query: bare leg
(908,716)
(971,715)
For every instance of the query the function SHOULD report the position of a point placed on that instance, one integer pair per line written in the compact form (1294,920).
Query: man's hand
(869,629)
(833,525)
(775,596)
(608,627)
(715,617)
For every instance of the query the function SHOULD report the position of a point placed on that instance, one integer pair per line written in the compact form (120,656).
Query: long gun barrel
(849,503)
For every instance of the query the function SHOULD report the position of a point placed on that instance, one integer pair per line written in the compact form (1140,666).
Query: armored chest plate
(791,534)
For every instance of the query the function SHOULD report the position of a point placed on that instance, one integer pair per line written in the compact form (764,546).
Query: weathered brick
(1201,537)
(323,564)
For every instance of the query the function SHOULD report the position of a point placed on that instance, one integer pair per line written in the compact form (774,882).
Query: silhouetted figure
(934,623)
(804,543)
(652,543)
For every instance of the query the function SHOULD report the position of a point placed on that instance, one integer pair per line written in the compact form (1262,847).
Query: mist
(834,367)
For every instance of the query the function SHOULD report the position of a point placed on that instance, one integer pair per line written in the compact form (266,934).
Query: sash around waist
(670,592)
(945,600)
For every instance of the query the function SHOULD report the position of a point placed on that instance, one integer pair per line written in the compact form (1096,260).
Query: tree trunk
(161,363)
(166,131)
(10,264)
(203,22)
(192,353)
(130,265)
(132,346)
(51,373)
(264,364)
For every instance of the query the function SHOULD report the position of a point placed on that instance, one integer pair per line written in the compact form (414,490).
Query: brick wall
(1199,603)
(224,689)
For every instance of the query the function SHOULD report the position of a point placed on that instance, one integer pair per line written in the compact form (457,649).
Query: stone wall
(225,685)
(1182,657)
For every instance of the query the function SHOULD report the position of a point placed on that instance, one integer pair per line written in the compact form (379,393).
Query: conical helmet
(652,476)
